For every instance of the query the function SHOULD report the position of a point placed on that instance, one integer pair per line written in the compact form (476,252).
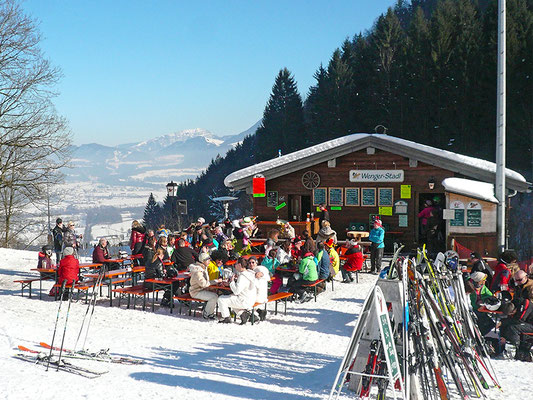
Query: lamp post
(172,190)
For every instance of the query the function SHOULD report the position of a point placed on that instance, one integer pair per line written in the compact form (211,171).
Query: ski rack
(368,329)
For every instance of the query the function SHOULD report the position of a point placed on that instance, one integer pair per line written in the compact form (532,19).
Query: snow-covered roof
(465,165)
(470,188)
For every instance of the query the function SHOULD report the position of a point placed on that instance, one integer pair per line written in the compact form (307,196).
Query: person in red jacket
(137,237)
(502,272)
(69,269)
(354,261)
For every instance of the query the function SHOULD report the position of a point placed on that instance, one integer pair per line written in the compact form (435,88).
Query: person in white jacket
(262,277)
(244,294)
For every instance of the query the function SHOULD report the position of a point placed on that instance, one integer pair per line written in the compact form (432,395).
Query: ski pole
(55,326)
(66,321)
(102,273)
(93,296)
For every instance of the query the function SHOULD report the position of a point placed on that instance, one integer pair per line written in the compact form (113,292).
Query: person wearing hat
(502,271)
(69,269)
(333,257)
(45,257)
(57,233)
(479,265)
(354,261)
(200,283)
(523,285)
(479,293)
(326,233)
(377,247)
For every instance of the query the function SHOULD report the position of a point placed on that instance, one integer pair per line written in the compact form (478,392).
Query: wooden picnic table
(158,283)
(45,274)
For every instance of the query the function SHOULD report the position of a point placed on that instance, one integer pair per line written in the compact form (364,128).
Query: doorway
(432,232)
(299,207)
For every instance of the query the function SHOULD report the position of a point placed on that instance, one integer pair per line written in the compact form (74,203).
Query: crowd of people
(505,292)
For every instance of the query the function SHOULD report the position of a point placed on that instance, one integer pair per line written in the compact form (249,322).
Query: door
(306,207)
(295,209)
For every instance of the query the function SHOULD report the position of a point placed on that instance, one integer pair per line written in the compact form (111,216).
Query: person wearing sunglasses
(523,285)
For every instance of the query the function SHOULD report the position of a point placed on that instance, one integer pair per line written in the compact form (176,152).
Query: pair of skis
(102,355)
(37,357)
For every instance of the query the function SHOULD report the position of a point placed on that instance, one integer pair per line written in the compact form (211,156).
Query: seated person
(523,285)
(283,254)
(219,234)
(324,263)
(479,265)
(333,257)
(200,283)
(270,262)
(101,255)
(272,241)
(519,320)
(244,293)
(216,266)
(68,270)
(45,257)
(307,274)
(171,244)
(155,269)
(325,233)
(162,243)
(227,248)
(354,261)
(475,286)
(183,255)
(262,277)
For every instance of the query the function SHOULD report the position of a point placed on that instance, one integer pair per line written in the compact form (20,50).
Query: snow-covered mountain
(175,156)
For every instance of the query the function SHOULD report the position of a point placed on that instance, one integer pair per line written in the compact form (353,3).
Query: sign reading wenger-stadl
(376,175)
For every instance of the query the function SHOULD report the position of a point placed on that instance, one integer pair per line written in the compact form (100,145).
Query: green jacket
(476,299)
(308,269)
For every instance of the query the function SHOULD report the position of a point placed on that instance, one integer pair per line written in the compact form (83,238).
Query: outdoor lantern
(172,189)
(431,183)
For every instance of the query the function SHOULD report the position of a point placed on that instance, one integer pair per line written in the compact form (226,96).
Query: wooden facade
(335,174)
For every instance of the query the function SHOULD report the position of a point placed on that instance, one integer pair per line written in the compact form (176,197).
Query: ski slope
(287,357)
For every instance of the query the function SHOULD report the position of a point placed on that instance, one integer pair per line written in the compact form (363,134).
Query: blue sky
(134,70)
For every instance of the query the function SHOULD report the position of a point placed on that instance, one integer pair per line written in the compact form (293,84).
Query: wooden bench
(26,283)
(314,285)
(137,290)
(276,297)
(81,287)
(186,298)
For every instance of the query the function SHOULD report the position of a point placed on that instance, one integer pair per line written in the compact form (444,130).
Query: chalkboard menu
(272,199)
(459,219)
(319,196)
(368,197)
(335,197)
(385,196)
(473,218)
(352,196)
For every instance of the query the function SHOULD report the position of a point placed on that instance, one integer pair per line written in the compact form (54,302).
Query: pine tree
(152,213)
(283,126)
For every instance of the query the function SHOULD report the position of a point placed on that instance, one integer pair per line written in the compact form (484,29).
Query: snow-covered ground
(287,357)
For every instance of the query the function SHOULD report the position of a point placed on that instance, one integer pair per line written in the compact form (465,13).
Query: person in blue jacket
(377,235)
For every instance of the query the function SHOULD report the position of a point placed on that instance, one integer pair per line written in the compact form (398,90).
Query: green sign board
(459,219)
(473,218)
(336,208)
